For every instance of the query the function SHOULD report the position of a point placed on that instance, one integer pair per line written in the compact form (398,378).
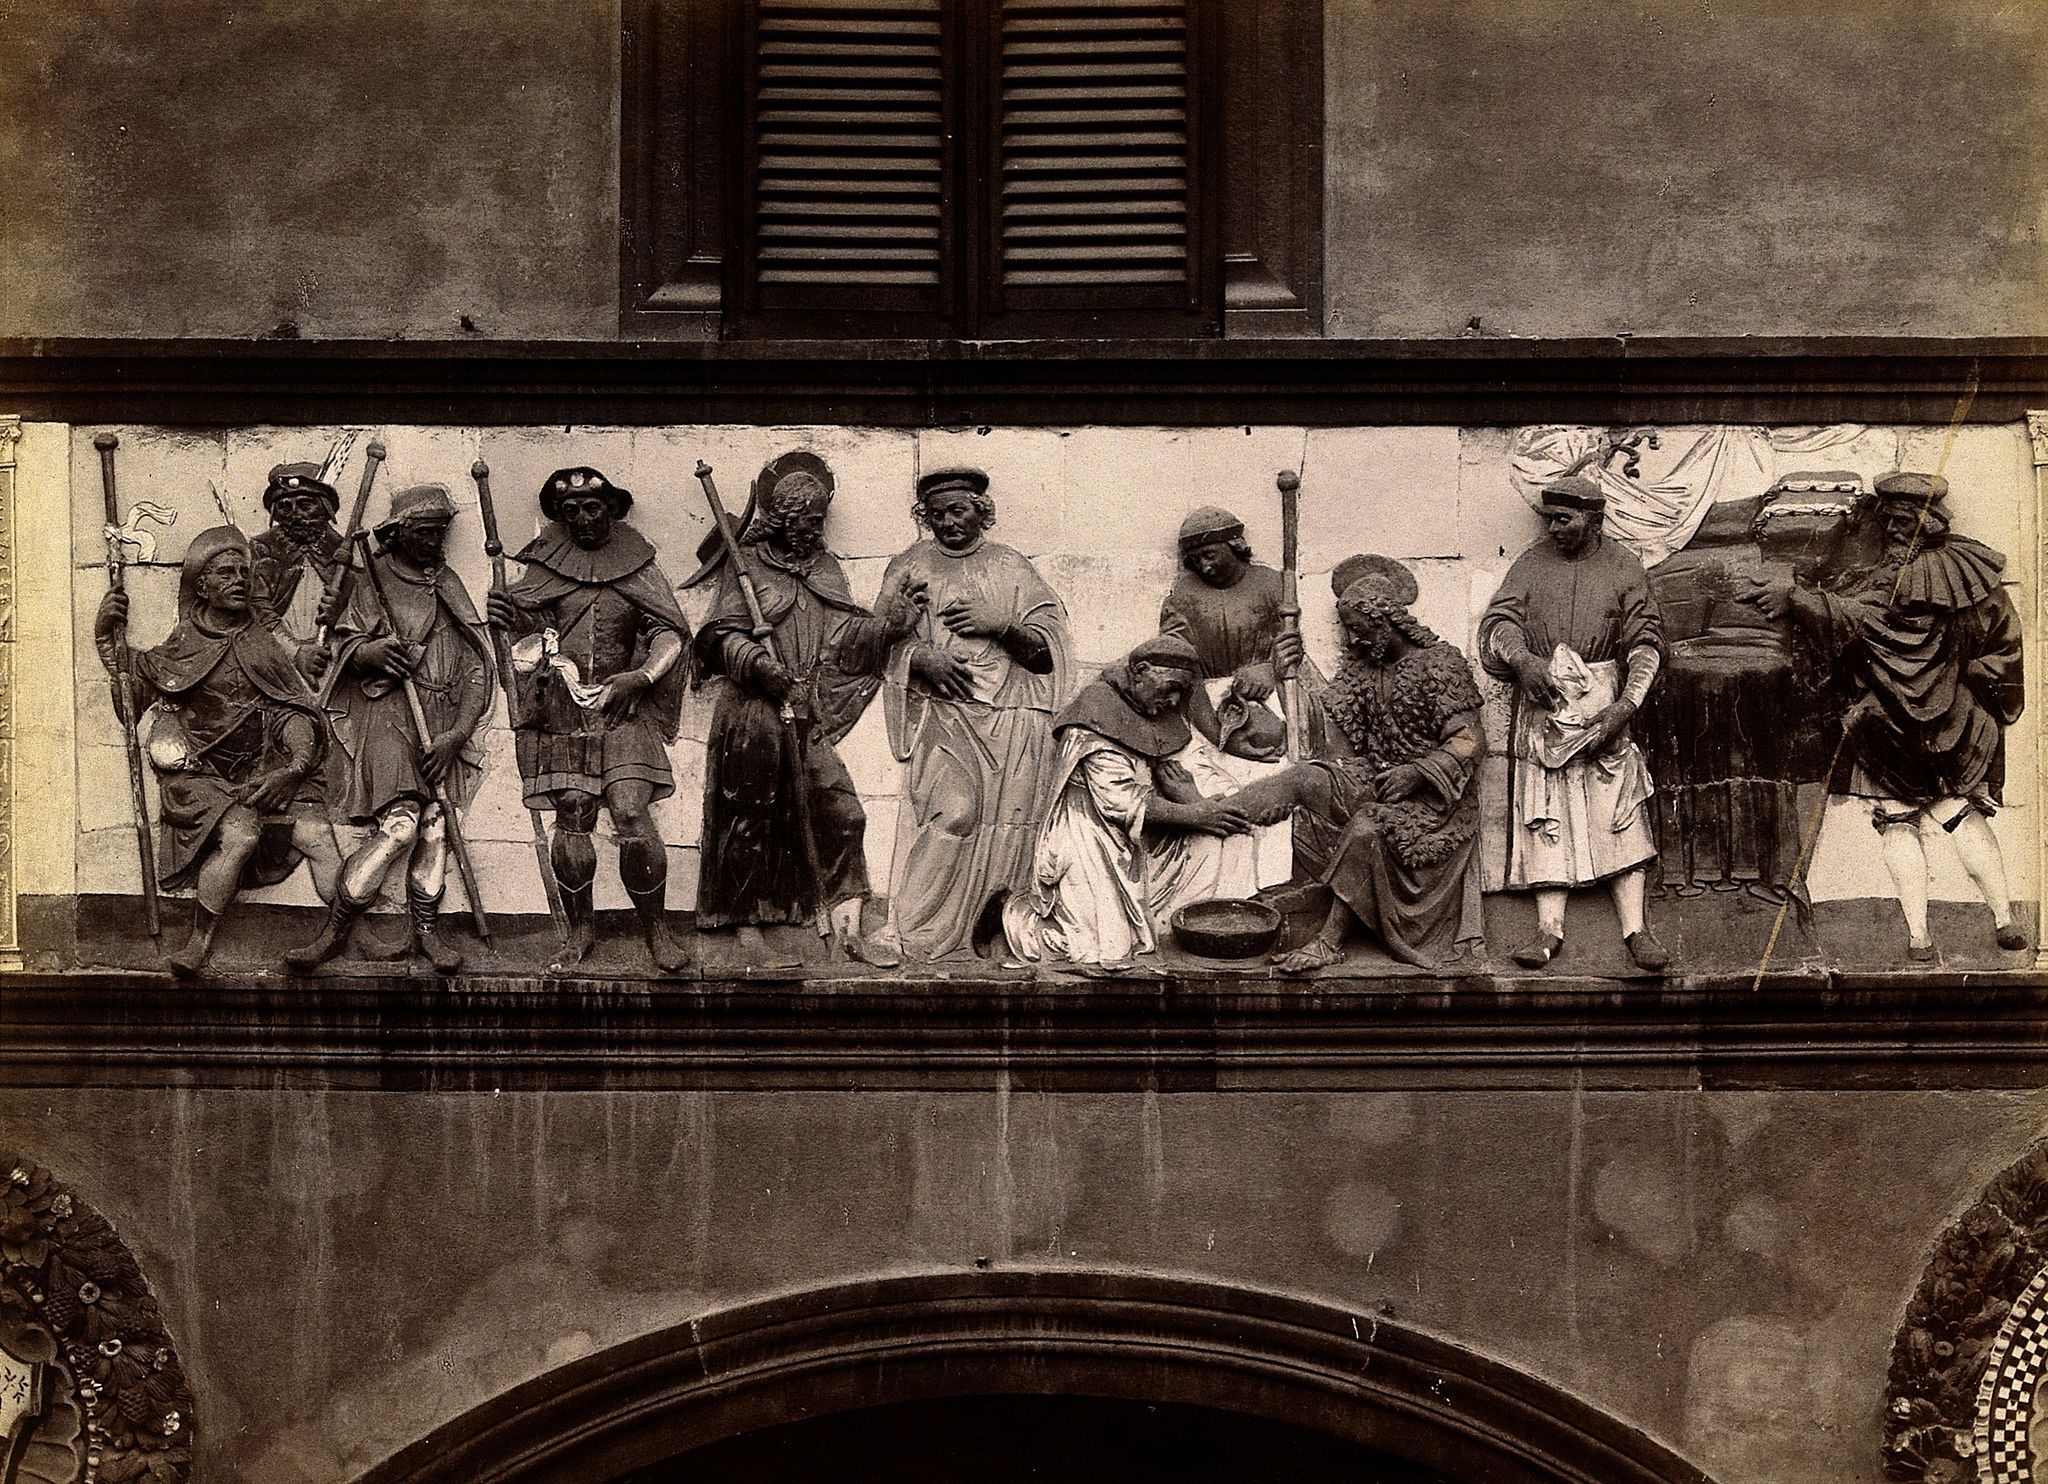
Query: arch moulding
(1117,1336)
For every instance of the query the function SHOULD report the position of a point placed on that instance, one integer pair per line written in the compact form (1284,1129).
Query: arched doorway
(989,1355)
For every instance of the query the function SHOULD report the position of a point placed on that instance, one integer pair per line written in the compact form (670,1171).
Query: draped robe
(976,771)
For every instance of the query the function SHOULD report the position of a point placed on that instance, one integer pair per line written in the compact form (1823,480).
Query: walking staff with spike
(457,845)
(1289,483)
(124,691)
(501,646)
(764,633)
(336,602)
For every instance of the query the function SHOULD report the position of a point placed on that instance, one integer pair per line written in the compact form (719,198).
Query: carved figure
(969,696)
(593,582)
(1932,648)
(1392,798)
(385,775)
(234,736)
(298,557)
(1574,627)
(776,793)
(1233,611)
(1127,837)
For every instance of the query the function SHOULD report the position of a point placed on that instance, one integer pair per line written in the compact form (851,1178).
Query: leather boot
(332,938)
(670,956)
(426,937)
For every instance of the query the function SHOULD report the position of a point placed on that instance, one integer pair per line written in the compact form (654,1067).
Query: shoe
(1538,951)
(333,937)
(878,951)
(2012,937)
(1920,953)
(1648,953)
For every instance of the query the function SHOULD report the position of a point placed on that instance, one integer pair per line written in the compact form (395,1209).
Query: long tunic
(377,756)
(1100,881)
(1574,817)
(1936,658)
(1404,868)
(607,607)
(245,710)
(976,771)
(754,870)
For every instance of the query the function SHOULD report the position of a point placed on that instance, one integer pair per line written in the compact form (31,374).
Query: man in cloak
(297,558)
(1573,625)
(385,774)
(969,696)
(236,741)
(773,774)
(600,670)
(1392,796)
(1931,648)
(1228,607)
(1127,837)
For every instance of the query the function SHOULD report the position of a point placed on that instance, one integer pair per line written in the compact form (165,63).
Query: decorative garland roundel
(102,1398)
(1973,1353)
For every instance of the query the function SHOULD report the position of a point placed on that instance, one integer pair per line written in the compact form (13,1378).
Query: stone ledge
(1180,1032)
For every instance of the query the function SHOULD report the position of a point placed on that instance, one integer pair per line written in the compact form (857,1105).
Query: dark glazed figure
(1930,646)
(969,696)
(413,621)
(234,736)
(600,669)
(1574,627)
(1391,806)
(784,830)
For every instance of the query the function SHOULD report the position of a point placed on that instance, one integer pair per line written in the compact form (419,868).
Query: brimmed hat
(1206,526)
(1574,492)
(1920,491)
(417,502)
(581,480)
(297,479)
(940,481)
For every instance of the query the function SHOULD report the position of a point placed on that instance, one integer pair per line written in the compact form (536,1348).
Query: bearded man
(237,740)
(1573,625)
(1391,799)
(1932,648)
(772,769)
(297,558)
(601,674)
(969,696)
(386,774)
(1127,837)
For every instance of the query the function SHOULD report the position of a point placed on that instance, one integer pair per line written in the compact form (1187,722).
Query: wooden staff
(764,634)
(501,647)
(1290,600)
(457,846)
(124,690)
(337,602)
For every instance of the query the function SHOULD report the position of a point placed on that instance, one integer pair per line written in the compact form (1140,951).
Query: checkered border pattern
(2005,1398)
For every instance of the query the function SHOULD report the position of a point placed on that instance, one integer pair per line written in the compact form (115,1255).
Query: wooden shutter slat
(1093,154)
(849,143)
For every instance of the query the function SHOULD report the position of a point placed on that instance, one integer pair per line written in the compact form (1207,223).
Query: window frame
(682,144)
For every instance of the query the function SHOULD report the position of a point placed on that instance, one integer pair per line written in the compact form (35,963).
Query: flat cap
(580,480)
(295,479)
(421,502)
(940,481)
(1208,524)
(1168,651)
(1575,492)
(1908,488)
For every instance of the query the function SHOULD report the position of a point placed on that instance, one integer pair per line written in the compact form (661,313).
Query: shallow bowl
(1227,927)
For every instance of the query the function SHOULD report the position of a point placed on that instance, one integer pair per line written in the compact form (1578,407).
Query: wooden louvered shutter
(851,163)
(1094,200)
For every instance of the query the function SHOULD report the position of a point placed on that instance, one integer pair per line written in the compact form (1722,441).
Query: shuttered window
(973,167)
(1094,154)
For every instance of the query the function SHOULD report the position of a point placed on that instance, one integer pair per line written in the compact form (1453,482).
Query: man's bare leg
(1906,858)
(219,878)
(1326,947)
(1981,857)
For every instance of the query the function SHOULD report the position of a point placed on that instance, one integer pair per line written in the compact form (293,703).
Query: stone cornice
(1178,1034)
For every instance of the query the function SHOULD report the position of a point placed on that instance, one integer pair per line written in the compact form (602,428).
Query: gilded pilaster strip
(10,940)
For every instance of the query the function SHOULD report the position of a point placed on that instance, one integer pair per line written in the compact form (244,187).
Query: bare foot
(1316,953)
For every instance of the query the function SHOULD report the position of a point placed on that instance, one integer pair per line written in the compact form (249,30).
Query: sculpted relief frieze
(1440,702)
